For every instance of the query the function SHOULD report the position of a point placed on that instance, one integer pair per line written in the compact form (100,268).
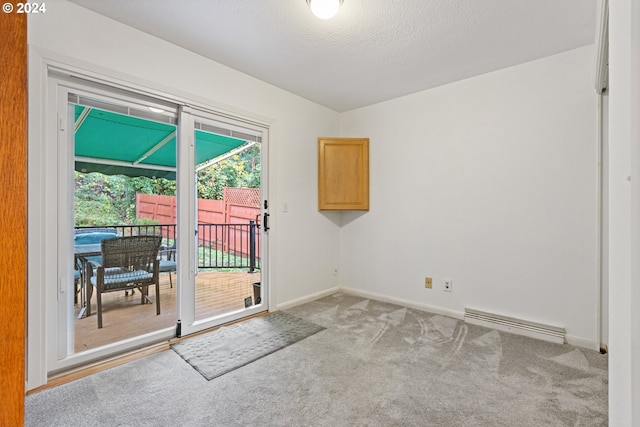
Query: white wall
(491,182)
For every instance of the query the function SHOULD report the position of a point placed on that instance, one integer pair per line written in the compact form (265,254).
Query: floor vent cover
(515,326)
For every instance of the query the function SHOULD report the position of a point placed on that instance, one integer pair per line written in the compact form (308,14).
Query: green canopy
(113,144)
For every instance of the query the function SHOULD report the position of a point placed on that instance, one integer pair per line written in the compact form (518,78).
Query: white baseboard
(305,299)
(583,342)
(406,303)
(570,339)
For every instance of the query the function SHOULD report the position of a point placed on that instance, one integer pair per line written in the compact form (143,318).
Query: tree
(110,199)
(240,170)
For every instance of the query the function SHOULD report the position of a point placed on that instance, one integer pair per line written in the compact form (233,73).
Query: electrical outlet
(447,285)
(428,282)
(335,270)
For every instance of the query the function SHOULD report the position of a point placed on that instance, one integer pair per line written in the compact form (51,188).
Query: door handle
(265,221)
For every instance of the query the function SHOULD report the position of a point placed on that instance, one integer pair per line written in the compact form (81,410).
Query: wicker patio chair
(128,263)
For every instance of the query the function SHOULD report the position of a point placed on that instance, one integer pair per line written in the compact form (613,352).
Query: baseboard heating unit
(515,326)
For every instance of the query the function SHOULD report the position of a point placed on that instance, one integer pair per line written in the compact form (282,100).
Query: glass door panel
(228,252)
(124,185)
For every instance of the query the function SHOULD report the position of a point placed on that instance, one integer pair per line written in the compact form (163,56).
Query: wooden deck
(124,317)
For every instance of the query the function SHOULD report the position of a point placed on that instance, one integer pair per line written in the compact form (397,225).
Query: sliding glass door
(117,179)
(228,239)
(132,165)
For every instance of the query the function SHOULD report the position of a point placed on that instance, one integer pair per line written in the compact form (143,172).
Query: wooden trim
(13,215)
(84,371)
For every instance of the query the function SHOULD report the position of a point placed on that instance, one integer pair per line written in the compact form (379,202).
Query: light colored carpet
(376,364)
(231,347)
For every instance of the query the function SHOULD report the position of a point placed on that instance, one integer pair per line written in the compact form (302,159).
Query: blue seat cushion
(167,265)
(115,277)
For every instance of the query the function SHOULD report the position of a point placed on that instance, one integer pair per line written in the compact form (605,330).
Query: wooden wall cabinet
(343,174)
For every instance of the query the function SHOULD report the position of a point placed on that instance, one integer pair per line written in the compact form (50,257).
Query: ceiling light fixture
(324,9)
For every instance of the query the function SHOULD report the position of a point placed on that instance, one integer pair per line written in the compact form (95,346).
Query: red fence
(158,208)
(233,209)
(240,206)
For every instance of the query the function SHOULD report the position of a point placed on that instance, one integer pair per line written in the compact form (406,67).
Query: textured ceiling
(373,50)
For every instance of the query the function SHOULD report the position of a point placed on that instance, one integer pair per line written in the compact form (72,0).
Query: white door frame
(187,208)
(48,212)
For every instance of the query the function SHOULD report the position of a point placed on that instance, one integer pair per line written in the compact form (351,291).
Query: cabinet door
(343,174)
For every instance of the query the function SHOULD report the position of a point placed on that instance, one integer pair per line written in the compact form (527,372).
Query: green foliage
(94,213)
(208,255)
(241,170)
(145,221)
(111,200)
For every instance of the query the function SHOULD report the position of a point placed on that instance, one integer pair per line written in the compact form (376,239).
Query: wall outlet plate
(428,282)
(447,285)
